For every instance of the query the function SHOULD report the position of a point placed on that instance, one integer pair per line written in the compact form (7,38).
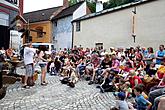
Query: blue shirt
(160,54)
(141,102)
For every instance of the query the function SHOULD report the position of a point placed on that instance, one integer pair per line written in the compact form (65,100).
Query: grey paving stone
(56,96)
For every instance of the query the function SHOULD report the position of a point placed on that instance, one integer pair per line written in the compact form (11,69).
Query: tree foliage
(92,6)
(72,2)
(115,3)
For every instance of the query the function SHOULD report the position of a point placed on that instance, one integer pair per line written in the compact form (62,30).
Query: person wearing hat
(112,51)
(121,104)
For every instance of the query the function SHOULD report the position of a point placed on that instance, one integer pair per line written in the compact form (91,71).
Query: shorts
(42,65)
(29,69)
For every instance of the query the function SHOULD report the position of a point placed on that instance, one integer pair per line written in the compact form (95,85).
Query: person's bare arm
(136,82)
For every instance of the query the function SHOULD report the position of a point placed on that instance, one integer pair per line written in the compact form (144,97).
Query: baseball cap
(121,95)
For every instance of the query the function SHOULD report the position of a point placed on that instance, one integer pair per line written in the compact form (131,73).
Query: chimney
(99,6)
(21,3)
(65,3)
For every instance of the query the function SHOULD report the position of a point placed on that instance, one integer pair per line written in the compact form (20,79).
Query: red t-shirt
(132,81)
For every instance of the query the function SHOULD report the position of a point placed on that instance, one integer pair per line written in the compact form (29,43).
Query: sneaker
(90,82)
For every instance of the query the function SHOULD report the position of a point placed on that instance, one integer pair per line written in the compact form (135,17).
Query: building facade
(9,9)
(39,25)
(116,27)
(62,26)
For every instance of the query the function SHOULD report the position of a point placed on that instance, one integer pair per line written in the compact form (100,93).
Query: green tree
(72,2)
(92,6)
(115,3)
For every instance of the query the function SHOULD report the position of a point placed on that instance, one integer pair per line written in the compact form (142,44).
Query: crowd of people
(130,73)
(121,71)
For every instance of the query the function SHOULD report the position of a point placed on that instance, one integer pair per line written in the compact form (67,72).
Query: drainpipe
(72,34)
(134,24)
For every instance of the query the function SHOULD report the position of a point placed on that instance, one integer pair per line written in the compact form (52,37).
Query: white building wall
(115,29)
(62,29)
(81,11)
(62,32)
(99,6)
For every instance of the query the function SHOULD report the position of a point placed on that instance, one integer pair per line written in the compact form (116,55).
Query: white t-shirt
(28,55)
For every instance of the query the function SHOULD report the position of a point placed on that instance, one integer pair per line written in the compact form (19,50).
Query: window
(99,45)
(78,26)
(39,32)
(4,19)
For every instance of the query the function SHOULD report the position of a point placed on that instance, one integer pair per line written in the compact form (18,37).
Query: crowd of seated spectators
(130,73)
(133,73)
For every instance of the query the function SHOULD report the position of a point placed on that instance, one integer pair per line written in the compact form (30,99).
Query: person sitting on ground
(161,71)
(161,103)
(114,68)
(95,62)
(149,58)
(127,89)
(139,67)
(106,63)
(134,79)
(80,69)
(121,104)
(151,71)
(160,54)
(142,103)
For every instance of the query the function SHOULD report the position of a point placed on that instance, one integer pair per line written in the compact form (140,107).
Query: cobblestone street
(56,96)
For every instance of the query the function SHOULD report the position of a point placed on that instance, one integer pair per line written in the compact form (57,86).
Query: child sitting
(121,104)
(127,89)
(142,103)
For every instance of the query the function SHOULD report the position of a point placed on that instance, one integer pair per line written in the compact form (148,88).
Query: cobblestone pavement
(56,96)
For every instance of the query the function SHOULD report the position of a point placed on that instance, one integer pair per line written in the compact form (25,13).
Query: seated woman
(68,75)
(151,71)
(81,64)
(139,67)
(9,53)
(113,69)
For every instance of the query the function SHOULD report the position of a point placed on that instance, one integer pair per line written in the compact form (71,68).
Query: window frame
(39,32)
(78,26)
